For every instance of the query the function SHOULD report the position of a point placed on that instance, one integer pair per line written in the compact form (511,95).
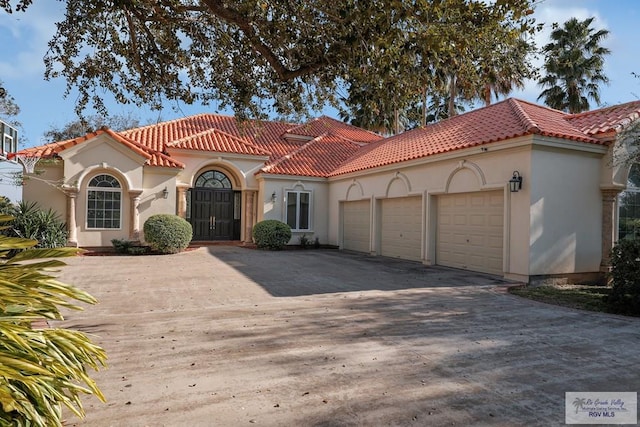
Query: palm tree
(505,70)
(574,61)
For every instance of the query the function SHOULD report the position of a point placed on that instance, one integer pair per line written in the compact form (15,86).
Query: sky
(24,38)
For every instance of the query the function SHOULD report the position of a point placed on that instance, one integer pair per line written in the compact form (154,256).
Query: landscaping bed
(585,297)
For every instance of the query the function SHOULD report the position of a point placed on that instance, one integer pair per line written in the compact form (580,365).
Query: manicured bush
(31,222)
(625,277)
(167,234)
(41,369)
(271,234)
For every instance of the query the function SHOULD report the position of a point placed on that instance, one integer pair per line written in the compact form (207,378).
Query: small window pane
(292,203)
(303,221)
(104,202)
(213,179)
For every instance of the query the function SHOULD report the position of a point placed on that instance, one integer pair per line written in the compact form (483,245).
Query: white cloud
(25,35)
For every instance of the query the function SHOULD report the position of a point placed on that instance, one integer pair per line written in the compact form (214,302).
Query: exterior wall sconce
(515,183)
(165,193)
(273,197)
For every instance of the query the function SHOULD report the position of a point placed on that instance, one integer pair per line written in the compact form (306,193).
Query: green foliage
(304,241)
(625,277)
(41,369)
(84,125)
(574,66)
(271,234)
(167,234)
(31,222)
(8,107)
(285,57)
(128,247)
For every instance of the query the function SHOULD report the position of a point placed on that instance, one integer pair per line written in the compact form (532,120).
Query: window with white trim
(104,202)
(299,210)
(629,207)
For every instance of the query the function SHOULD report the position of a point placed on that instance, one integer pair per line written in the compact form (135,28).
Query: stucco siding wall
(319,190)
(102,154)
(42,189)
(464,171)
(152,199)
(566,212)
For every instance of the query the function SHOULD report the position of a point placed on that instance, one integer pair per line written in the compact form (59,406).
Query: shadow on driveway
(292,273)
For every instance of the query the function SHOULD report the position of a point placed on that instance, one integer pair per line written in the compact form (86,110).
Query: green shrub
(121,246)
(271,234)
(41,369)
(167,234)
(625,277)
(128,247)
(31,222)
(138,250)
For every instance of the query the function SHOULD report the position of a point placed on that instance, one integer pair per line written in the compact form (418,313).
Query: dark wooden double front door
(213,215)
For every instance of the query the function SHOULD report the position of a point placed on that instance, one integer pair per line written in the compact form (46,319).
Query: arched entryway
(214,207)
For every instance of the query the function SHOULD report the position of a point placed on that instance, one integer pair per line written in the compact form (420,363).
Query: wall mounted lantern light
(515,183)
(273,197)
(165,193)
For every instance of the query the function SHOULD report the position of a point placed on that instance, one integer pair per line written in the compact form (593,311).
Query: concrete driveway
(227,336)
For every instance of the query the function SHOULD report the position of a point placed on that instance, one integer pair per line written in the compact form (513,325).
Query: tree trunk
(452,96)
(487,94)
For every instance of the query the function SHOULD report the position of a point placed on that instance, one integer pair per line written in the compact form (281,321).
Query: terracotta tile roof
(318,157)
(217,141)
(504,120)
(53,149)
(606,120)
(325,124)
(263,134)
(327,147)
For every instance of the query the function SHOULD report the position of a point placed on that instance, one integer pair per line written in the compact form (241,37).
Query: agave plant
(41,368)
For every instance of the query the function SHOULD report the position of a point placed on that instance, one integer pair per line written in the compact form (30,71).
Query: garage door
(469,231)
(355,225)
(401,228)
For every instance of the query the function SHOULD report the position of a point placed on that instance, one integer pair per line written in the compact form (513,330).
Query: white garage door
(469,231)
(401,231)
(355,225)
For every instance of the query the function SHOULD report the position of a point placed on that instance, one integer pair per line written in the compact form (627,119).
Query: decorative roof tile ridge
(289,155)
(602,110)
(526,121)
(301,125)
(143,150)
(324,116)
(169,122)
(624,122)
(219,131)
(169,159)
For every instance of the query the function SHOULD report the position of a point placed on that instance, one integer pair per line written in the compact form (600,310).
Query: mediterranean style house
(512,189)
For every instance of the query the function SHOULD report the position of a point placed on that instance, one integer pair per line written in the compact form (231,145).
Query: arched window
(213,179)
(104,202)
(629,207)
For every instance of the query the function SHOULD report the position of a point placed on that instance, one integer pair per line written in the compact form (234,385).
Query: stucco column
(72,237)
(249,214)
(609,205)
(181,208)
(134,216)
